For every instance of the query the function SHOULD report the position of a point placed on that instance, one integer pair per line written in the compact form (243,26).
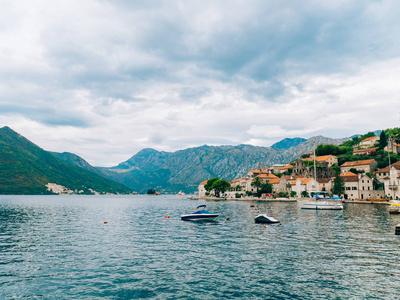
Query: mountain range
(169,172)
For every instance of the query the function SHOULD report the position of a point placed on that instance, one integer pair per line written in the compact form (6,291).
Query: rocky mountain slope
(287,143)
(26,168)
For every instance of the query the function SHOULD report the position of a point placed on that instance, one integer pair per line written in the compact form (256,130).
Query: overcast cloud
(105,79)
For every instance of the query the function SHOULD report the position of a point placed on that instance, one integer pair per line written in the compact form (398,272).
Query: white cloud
(104,79)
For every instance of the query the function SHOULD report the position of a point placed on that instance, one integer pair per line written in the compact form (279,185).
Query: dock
(367,201)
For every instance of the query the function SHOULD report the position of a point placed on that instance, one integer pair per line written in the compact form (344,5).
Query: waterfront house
(325,184)
(390,177)
(304,184)
(366,166)
(279,185)
(358,186)
(202,190)
(242,182)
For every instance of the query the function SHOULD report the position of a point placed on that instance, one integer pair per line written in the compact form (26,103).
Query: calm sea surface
(59,247)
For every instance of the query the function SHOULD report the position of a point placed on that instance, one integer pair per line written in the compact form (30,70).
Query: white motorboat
(263,218)
(200,214)
(320,203)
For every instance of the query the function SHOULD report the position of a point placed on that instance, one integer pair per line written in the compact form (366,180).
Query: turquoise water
(59,247)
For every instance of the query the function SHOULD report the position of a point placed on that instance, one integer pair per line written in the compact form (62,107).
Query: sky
(105,79)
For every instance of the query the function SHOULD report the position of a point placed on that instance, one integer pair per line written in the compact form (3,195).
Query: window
(354,188)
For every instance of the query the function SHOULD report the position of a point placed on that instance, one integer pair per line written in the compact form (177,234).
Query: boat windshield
(201,207)
(319,194)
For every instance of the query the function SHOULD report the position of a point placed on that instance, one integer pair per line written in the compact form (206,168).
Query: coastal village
(362,180)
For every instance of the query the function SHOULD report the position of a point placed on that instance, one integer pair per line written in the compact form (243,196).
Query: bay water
(60,247)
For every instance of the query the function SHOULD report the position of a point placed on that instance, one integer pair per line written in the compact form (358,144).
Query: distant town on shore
(363,168)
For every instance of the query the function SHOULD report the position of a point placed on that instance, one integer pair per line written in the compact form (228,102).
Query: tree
(305,194)
(293,194)
(257,182)
(220,186)
(338,185)
(209,184)
(382,140)
(266,188)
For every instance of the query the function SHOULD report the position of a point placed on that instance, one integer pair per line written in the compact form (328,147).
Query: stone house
(368,142)
(325,184)
(323,166)
(390,177)
(279,185)
(368,166)
(392,146)
(304,184)
(357,186)
(286,168)
(202,190)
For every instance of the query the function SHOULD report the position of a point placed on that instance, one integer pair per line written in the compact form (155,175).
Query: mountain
(26,168)
(287,143)
(185,169)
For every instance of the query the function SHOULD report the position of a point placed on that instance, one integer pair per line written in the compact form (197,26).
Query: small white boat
(200,214)
(263,218)
(320,203)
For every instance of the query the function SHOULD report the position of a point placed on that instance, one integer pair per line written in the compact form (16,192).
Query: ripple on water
(59,247)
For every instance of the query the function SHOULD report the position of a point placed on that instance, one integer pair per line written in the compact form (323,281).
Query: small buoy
(279,224)
(227,218)
(265,225)
(105,222)
(167,217)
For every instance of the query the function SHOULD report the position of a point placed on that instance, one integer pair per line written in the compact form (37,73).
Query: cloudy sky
(105,79)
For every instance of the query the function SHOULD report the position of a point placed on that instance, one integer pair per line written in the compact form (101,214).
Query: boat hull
(198,217)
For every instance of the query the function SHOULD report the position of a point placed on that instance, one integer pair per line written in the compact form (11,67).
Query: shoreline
(357,201)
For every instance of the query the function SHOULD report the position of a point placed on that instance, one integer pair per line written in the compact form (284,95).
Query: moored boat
(199,214)
(322,203)
(263,218)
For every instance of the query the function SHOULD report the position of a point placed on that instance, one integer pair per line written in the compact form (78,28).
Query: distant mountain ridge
(288,143)
(185,169)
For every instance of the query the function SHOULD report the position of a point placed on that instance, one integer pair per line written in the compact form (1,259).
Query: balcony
(392,187)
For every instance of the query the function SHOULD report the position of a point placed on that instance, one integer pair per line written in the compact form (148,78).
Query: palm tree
(257,182)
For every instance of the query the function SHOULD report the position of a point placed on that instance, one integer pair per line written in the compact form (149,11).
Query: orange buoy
(105,222)
(167,217)
(227,218)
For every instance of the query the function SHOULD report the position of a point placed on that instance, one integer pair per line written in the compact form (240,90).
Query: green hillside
(26,168)
(344,152)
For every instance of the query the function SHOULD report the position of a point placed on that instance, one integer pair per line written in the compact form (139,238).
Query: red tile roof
(396,165)
(275,180)
(365,150)
(319,158)
(357,163)
(370,138)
